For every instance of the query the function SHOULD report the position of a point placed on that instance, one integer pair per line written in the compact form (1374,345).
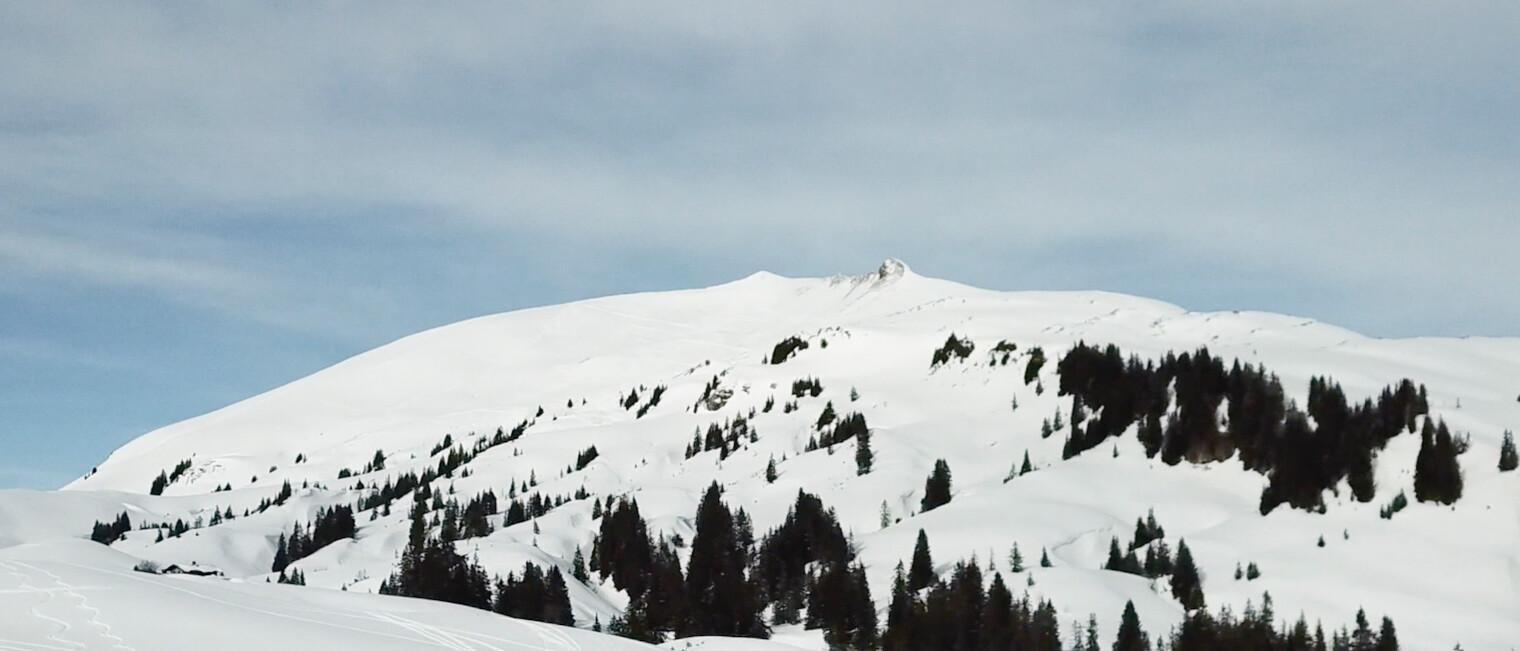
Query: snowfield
(1446,575)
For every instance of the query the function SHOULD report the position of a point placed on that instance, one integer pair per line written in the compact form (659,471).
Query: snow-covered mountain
(582,375)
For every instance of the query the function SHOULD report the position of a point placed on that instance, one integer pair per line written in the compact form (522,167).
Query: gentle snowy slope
(1446,575)
(79,595)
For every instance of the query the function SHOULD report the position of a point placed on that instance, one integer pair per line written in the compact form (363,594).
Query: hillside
(525,395)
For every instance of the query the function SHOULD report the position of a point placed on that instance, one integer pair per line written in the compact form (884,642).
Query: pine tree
(1026,468)
(1187,585)
(1015,560)
(999,626)
(902,616)
(1362,639)
(921,572)
(578,567)
(770,471)
(556,608)
(1508,459)
(863,454)
(715,576)
(1131,637)
(281,555)
(1437,474)
(634,624)
(1388,640)
(1044,558)
(936,487)
(1115,557)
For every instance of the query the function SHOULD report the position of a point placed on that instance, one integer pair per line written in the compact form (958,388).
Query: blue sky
(201,203)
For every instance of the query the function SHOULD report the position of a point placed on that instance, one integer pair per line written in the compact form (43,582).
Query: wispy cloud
(1360,145)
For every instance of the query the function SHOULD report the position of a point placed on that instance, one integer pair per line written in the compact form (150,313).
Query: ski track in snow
(1055,550)
(35,609)
(116,642)
(549,633)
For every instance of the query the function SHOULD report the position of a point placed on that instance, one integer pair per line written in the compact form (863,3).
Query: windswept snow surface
(1446,575)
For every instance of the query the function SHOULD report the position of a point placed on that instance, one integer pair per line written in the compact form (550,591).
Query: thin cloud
(1346,143)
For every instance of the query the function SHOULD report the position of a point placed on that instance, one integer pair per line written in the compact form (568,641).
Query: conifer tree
(921,570)
(1131,637)
(1115,557)
(936,487)
(578,567)
(1362,639)
(1508,459)
(863,454)
(715,576)
(1187,585)
(1388,640)
(1437,474)
(999,626)
(902,615)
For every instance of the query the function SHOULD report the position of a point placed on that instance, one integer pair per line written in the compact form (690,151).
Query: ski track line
(420,630)
(1056,548)
(207,597)
(458,637)
(478,636)
(565,639)
(26,582)
(548,632)
(6,645)
(84,604)
(463,638)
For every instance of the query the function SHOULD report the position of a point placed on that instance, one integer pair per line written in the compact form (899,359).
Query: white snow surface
(1446,575)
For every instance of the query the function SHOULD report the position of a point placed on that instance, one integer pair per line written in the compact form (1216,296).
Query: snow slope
(1446,575)
(79,595)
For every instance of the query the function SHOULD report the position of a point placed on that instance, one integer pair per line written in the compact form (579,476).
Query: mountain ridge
(870,336)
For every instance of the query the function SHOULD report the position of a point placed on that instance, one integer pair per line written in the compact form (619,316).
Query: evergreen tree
(1187,585)
(1115,557)
(281,555)
(556,608)
(1044,558)
(1508,459)
(1131,637)
(826,417)
(902,616)
(863,454)
(1363,639)
(634,624)
(1015,560)
(921,570)
(1027,467)
(715,576)
(770,471)
(1388,640)
(936,487)
(1437,474)
(578,567)
(840,604)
